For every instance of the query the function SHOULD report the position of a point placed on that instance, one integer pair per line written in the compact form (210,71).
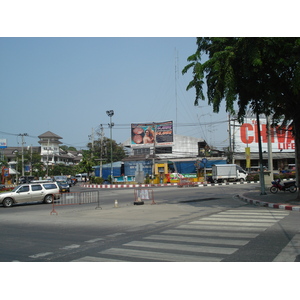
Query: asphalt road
(186,224)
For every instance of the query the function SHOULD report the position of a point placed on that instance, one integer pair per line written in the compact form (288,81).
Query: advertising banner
(246,135)
(3,143)
(160,134)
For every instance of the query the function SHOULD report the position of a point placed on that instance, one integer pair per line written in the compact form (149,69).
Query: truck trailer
(228,172)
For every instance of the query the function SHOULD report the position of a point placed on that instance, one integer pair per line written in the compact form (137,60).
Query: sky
(64,63)
(66,84)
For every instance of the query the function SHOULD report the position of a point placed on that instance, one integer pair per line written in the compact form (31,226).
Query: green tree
(102,149)
(86,164)
(257,74)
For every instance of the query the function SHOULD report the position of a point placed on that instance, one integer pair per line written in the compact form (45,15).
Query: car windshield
(17,187)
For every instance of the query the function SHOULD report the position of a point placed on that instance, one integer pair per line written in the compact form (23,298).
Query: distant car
(70,181)
(63,186)
(31,192)
(25,179)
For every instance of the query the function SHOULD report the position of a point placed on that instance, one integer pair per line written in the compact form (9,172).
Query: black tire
(241,180)
(8,202)
(273,189)
(293,189)
(138,202)
(48,199)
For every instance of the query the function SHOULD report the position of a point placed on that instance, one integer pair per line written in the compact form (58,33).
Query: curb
(269,204)
(199,184)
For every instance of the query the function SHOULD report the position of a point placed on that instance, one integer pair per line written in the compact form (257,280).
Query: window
(159,150)
(50,186)
(140,151)
(36,187)
(23,189)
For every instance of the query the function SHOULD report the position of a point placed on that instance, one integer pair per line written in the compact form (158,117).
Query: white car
(31,192)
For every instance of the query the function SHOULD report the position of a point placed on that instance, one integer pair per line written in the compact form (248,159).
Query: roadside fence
(77,198)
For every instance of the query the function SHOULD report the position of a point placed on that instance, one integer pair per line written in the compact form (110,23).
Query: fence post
(98,201)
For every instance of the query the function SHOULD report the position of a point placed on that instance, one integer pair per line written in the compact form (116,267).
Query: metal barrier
(143,194)
(78,198)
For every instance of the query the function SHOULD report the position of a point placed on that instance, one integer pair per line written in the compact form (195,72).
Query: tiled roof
(49,134)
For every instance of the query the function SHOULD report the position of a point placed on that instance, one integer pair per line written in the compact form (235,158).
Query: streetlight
(15,152)
(110,113)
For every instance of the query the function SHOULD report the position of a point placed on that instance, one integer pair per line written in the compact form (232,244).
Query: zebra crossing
(209,239)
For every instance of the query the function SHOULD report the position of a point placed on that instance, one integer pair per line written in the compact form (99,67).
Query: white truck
(228,172)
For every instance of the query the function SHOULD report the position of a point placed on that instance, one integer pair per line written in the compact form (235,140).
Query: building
(50,151)
(184,155)
(278,141)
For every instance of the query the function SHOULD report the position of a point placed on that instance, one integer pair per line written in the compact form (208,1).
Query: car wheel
(8,202)
(48,199)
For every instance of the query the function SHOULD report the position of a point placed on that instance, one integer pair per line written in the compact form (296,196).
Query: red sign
(246,135)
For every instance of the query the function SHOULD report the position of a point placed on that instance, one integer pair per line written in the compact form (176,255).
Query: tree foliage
(261,74)
(102,149)
(257,74)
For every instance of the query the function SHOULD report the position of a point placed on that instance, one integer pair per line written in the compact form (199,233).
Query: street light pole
(110,113)
(23,142)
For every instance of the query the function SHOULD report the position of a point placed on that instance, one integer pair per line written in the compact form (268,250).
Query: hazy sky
(63,64)
(66,85)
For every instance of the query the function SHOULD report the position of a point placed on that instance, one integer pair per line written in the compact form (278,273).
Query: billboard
(158,134)
(3,143)
(246,135)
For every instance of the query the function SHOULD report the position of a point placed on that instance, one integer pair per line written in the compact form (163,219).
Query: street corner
(271,201)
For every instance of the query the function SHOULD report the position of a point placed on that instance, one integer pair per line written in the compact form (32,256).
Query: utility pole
(270,154)
(23,143)
(262,179)
(110,113)
(101,147)
(92,139)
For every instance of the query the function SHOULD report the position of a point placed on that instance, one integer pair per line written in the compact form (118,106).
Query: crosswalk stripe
(198,240)
(246,217)
(229,223)
(261,213)
(95,259)
(222,227)
(211,237)
(180,247)
(211,233)
(159,256)
(239,220)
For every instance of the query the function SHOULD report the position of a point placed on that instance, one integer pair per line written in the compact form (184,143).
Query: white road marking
(41,254)
(159,256)
(70,247)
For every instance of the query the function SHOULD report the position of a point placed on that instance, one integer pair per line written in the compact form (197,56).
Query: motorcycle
(286,186)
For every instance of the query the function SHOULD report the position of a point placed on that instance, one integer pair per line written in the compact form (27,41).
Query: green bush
(255,177)
(96,180)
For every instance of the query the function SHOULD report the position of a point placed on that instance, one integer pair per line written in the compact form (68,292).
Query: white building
(51,152)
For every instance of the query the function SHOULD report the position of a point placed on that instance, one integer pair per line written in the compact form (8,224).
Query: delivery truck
(228,172)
